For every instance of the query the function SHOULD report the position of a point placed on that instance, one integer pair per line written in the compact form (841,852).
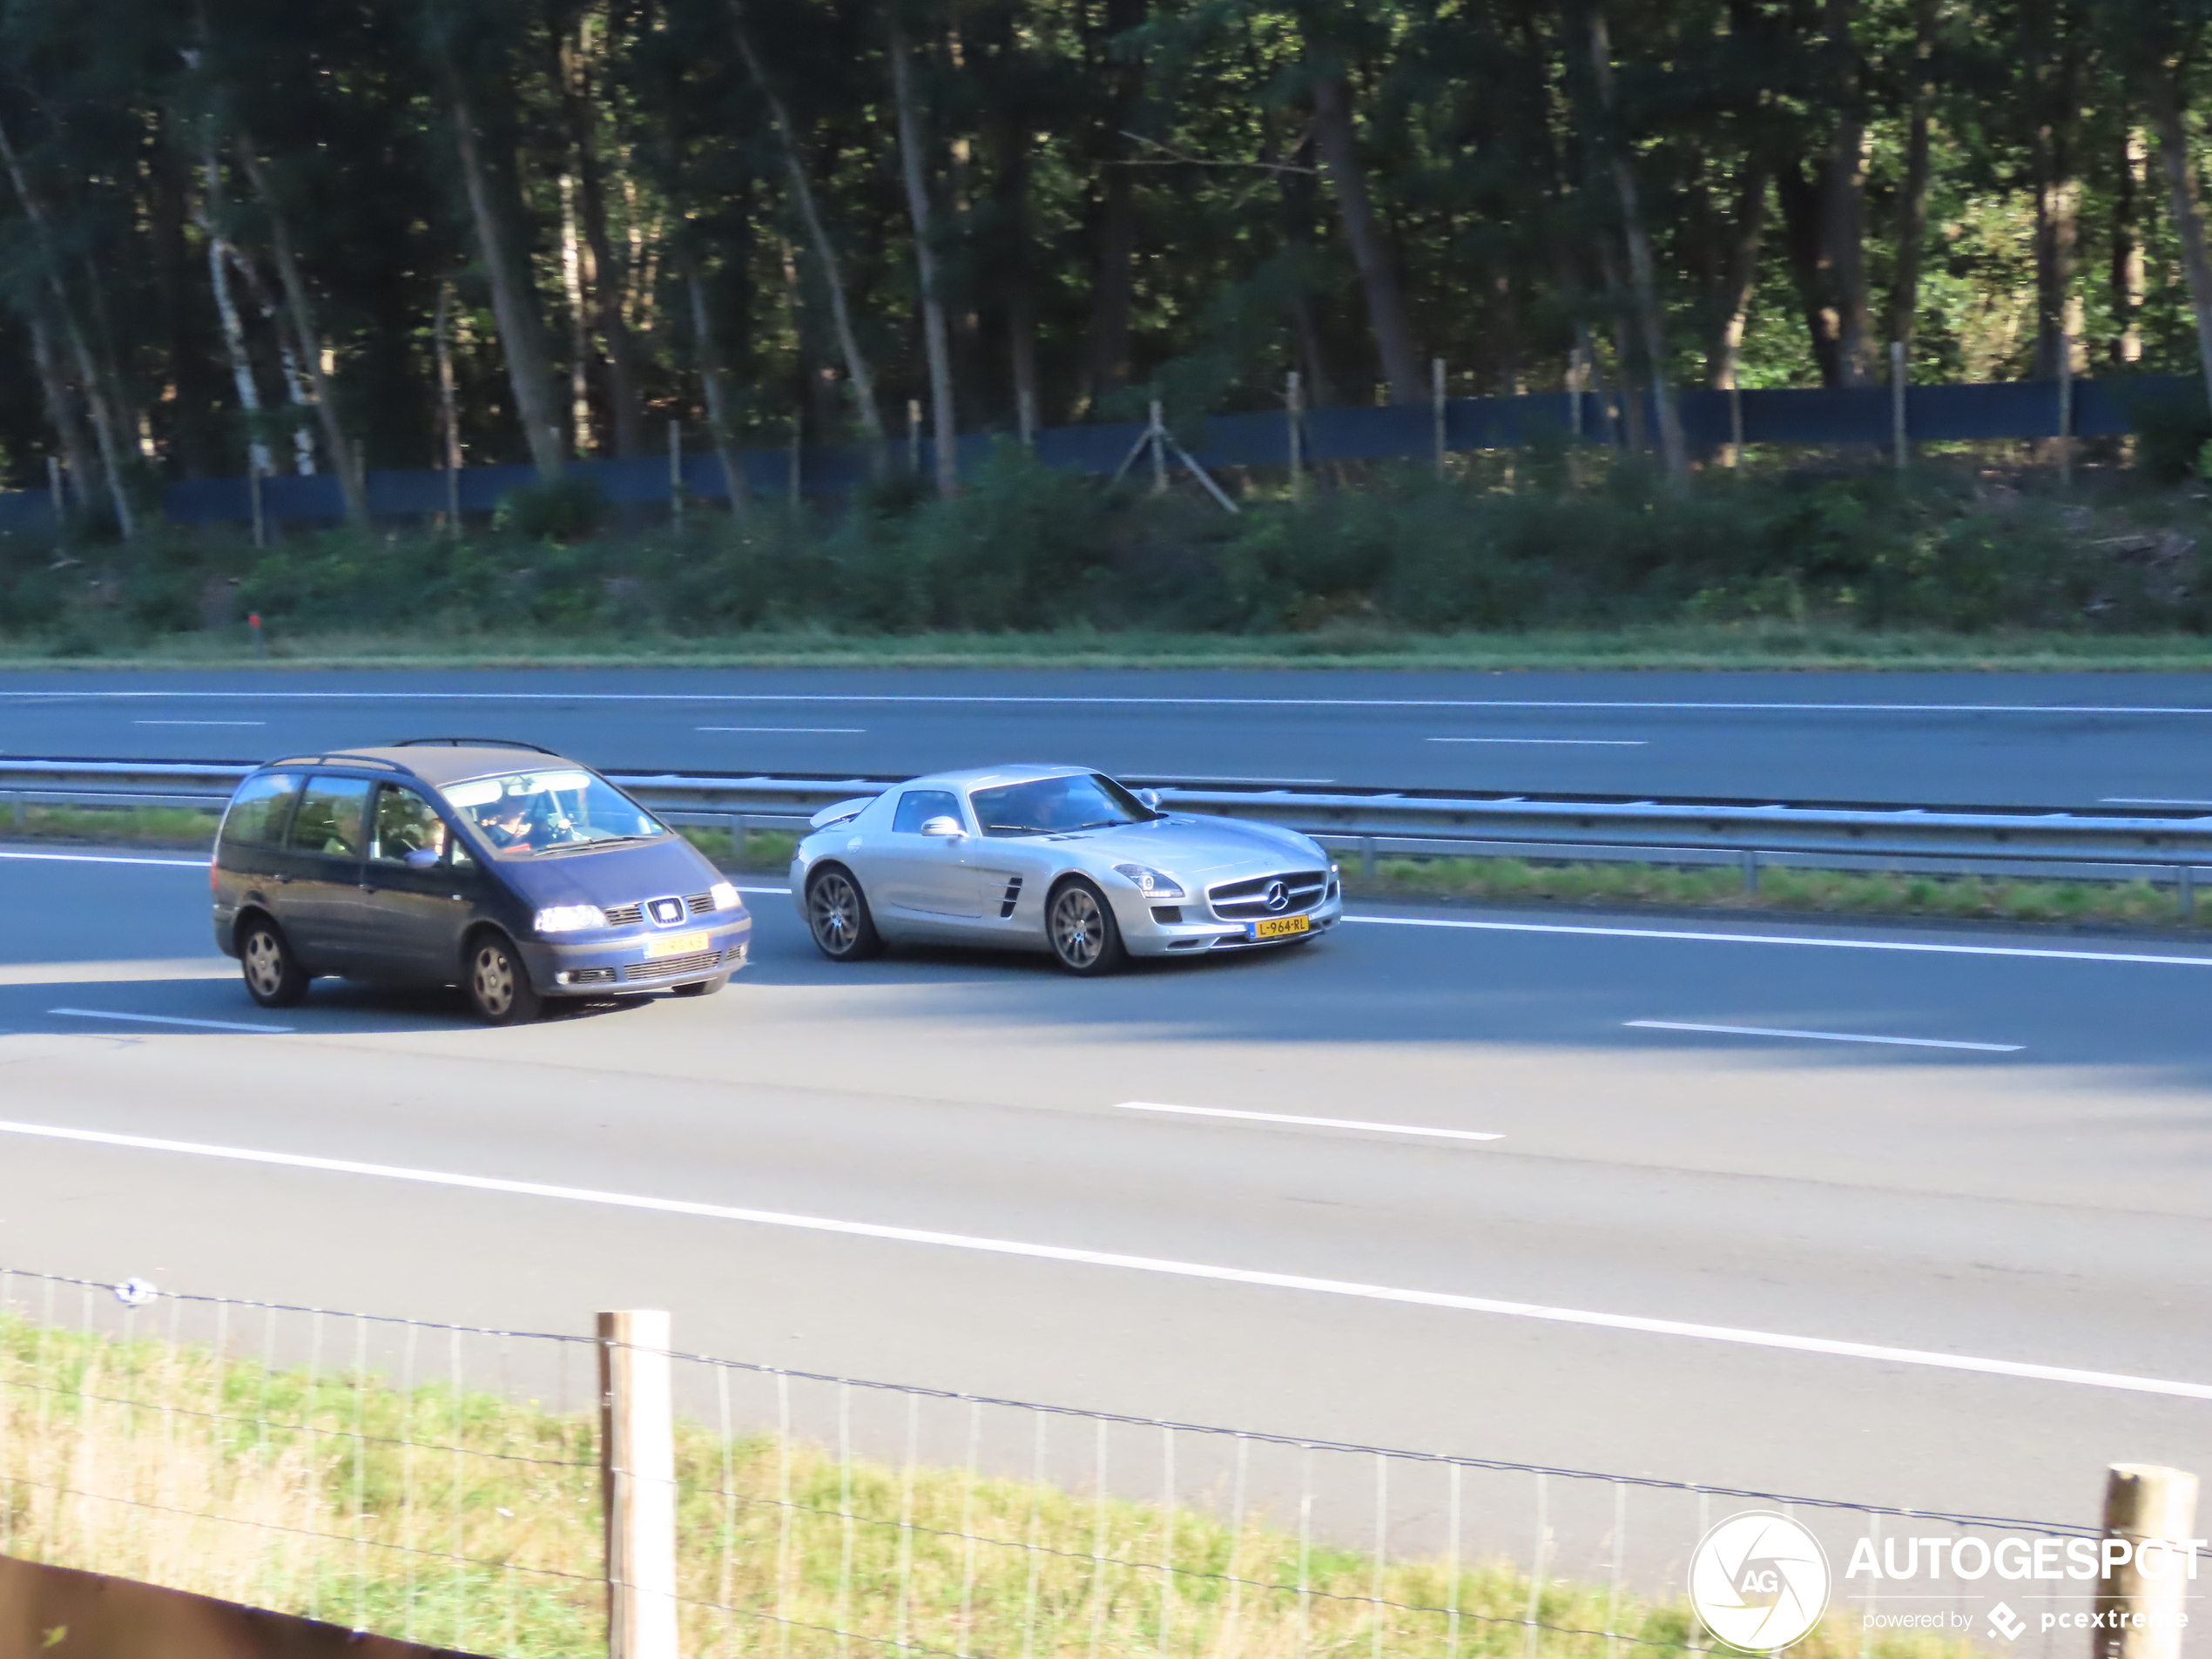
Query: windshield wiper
(1017,829)
(603,840)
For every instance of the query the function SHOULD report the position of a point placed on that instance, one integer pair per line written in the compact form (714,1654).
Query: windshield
(542,812)
(1044,805)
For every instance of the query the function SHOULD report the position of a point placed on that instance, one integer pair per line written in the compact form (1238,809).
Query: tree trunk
(297,392)
(218,280)
(1739,276)
(1333,132)
(513,301)
(624,398)
(1798,193)
(343,460)
(935,341)
(1843,210)
(2162,102)
(1673,451)
(1913,196)
(97,403)
(2052,111)
(856,365)
(2127,267)
(714,393)
(78,453)
(1113,284)
(448,402)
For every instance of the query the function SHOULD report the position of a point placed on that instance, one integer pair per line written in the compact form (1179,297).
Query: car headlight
(569,918)
(725,896)
(1150,881)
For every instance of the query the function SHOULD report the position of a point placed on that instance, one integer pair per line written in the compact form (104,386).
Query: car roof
(437,764)
(984,777)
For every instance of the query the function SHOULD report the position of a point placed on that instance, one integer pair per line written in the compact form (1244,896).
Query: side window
(331,817)
(406,830)
(918,806)
(258,811)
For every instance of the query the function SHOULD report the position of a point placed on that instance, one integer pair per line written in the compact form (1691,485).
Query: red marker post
(253,621)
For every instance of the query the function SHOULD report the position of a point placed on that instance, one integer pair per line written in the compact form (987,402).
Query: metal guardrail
(2095,843)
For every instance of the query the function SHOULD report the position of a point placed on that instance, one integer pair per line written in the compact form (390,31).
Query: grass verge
(1683,646)
(460,1517)
(1805,891)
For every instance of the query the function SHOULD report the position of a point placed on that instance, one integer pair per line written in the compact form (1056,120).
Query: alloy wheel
(834,910)
(1078,927)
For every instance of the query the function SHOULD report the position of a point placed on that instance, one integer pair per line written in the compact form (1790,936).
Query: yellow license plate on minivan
(1280,926)
(675,944)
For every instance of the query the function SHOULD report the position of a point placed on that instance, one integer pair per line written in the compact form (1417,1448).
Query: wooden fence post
(675,474)
(637,1461)
(2146,1596)
(1436,409)
(1897,402)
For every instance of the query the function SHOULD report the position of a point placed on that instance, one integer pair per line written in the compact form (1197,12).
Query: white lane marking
(101,858)
(1305,1122)
(200,723)
(1912,946)
(2147,800)
(1113,701)
(169,1019)
(816,731)
(1145,1263)
(1566,743)
(1820,1037)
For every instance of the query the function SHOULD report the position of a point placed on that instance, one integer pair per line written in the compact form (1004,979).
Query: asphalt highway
(1698,1156)
(2009,740)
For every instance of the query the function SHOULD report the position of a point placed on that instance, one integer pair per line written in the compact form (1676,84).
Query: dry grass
(460,1518)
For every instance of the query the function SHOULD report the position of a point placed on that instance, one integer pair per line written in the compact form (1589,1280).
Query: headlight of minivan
(725,896)
(569,918)
(1150,881)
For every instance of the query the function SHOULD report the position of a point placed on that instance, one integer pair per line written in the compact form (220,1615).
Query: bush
(567,508)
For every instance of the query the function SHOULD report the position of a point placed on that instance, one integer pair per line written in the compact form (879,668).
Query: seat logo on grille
(667,912)
(1277,896)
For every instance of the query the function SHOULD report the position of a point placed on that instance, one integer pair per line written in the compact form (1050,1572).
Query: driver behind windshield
(1049,805)
(541,811)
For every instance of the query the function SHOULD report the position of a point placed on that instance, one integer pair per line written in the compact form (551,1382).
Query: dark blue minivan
(500,867)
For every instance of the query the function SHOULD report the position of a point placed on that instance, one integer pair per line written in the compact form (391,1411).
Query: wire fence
(443,1484)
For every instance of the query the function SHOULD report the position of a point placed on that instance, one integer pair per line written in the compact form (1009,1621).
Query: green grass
(1809,891)
(459,1517)
(191,826)
(1682,646)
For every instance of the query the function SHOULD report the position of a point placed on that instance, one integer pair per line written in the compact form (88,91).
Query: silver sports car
(1057,859)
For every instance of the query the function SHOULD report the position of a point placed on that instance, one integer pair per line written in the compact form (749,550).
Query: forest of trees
(339,233)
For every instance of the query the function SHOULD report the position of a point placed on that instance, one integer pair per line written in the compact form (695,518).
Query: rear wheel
(499,986)
(837,915)
(273,977)
(1084,934)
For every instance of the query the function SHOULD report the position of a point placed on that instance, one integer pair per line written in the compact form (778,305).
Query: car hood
(613,875)
(1203,849)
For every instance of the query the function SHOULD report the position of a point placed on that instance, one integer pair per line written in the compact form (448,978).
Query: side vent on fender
(1010,898)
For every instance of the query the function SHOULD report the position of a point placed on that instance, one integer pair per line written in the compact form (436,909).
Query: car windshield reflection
(544,811)
(1058,806)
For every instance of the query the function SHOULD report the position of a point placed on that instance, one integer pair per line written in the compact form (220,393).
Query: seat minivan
(498,866)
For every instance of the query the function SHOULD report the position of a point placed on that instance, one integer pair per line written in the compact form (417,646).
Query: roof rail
(475,743)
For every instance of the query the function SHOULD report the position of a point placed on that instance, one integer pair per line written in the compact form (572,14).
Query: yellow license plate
(1280,926)
(675,944)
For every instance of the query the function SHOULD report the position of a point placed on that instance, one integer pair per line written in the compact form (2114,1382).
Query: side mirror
(1150,798)
(948,827)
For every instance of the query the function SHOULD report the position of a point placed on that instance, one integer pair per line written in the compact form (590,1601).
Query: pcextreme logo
(1759,1581)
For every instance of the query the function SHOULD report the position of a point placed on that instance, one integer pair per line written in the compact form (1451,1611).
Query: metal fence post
(2187,894)
(1367,857)
(675,474)
(1751,870)
(2065,411)
(1157,434)
(1298,461)
(637,1463)
(1436,408)
(2141,1600)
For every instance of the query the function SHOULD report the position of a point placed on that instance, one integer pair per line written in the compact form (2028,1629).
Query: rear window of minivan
(257,811)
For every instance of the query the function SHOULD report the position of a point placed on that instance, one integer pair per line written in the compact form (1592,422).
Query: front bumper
(1146,935)
(601,965)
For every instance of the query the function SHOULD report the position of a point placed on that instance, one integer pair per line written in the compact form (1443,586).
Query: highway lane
(2056,740)
(2046,1205)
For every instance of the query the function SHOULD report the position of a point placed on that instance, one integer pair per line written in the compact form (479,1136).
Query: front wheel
(837,915)
(499,986)
(273,977)
(1084,934)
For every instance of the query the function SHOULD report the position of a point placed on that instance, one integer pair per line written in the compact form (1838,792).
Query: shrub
(566,508)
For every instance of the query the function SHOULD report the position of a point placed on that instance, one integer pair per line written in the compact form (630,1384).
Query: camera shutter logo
(1759,1581)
